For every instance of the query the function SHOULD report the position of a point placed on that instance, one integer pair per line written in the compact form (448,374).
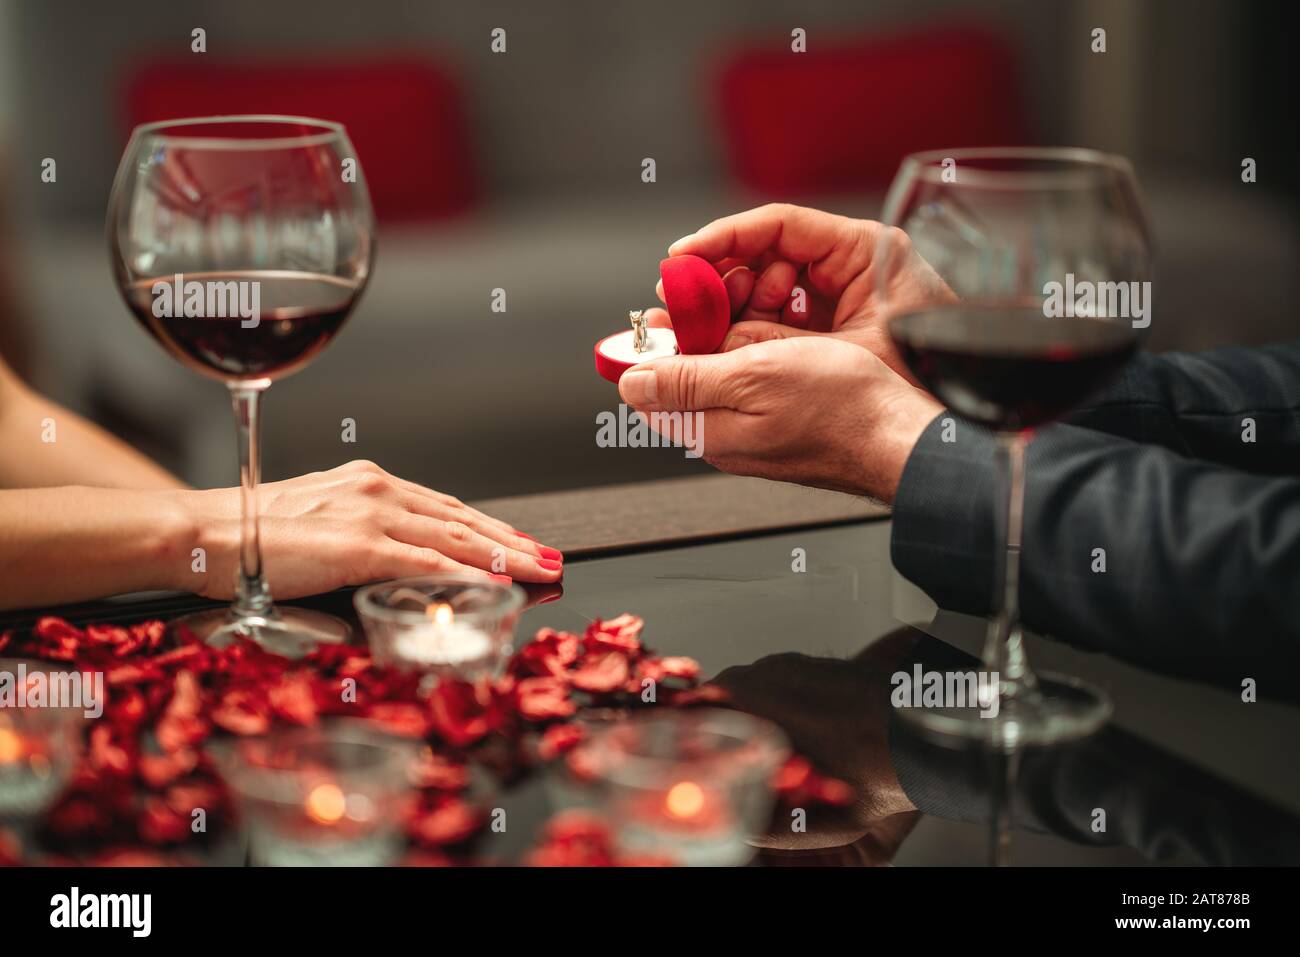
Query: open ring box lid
(697,308)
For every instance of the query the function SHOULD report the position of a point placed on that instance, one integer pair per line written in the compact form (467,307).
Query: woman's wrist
(203,538)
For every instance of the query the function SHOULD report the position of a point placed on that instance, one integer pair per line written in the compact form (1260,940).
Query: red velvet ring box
(697,307)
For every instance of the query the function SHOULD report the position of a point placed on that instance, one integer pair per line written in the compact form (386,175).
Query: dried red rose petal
(242,712)
(705,694)
(161,824)
(543,699)
(109,751)
(180,725)
(444,819)
(792,775)
(10,849)
(619,634)
(601,673)
(159,770)
(559,739)
(678,666)
(462,713)
(432,770)
(574,838)
(549,653)
(293,699)
(402,718)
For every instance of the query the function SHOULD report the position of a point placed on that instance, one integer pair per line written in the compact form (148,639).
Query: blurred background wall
(445,391)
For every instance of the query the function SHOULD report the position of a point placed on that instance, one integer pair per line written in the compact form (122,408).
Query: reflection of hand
(836,713)
(876,847)
(809,410)
(356,524)
(841,264)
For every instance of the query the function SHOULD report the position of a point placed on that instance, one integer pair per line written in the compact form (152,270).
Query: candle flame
(326,804)
(10,746)
(440,613)
(685,799)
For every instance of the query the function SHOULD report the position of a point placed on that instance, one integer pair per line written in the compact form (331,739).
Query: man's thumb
(677,384)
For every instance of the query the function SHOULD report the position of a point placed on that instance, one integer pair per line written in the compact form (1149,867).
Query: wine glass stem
(1004,649)
(1003,766)
(252,597)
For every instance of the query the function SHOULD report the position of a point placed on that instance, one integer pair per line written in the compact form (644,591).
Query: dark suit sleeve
(1202,563)
(1197,404)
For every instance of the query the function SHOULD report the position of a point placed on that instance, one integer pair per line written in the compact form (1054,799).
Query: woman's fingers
(436,504)
(402,560)
(458,541)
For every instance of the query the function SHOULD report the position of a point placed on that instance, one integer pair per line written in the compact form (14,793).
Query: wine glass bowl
(241,244)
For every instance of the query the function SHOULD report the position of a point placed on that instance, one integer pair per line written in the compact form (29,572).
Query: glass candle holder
(692,785)
(40,735)
(332,795)
(443,625)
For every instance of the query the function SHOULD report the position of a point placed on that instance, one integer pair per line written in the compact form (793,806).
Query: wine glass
(1045,259)
(241,244)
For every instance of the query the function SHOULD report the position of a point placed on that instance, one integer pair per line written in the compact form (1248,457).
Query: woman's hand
(350,525)
(842,265)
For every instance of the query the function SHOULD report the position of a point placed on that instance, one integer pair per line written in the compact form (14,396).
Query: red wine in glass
(299,313)
(1011,368)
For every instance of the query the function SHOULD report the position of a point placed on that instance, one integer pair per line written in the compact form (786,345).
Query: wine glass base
(287,631)
(1059,710)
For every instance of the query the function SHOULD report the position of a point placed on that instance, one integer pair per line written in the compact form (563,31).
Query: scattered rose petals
(144,770)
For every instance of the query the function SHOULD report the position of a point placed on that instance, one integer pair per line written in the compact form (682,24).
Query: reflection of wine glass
(1044,253)
(241,243)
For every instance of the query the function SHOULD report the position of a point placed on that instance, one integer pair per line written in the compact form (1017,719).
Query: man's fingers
(679,384)
(758,330)
(771,291)
(794,233)
(740,286)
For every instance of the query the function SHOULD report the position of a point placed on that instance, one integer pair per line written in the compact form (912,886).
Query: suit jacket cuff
(942,535)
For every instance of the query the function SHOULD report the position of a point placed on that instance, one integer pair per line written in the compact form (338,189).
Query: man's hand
(844,266)
(813,410)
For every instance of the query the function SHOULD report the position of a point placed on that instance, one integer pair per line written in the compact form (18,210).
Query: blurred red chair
(841,116)
(405,116)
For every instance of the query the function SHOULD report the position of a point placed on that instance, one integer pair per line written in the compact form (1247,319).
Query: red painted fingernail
(549,564)
(549,552)
(503,579)
(529,537)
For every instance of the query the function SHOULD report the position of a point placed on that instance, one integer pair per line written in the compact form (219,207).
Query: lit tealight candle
(687,806)
(444,641)
(326,804)
(12,749)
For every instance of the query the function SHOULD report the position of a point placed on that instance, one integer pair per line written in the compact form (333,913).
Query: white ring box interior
(660,344)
